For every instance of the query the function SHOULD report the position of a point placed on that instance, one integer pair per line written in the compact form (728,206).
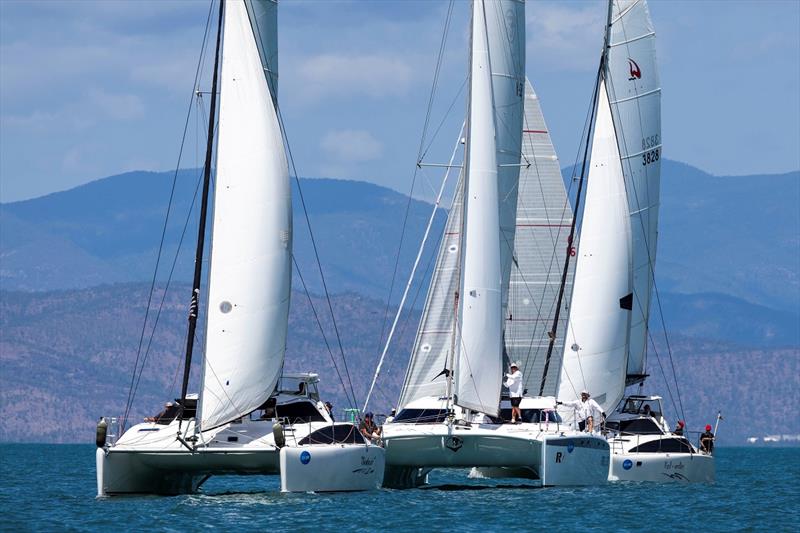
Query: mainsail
(543,219)
(478,369)
(505,34)
(634,91)
(250,266)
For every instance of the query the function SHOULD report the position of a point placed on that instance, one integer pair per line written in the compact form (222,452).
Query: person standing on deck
(586,411)
(514,384)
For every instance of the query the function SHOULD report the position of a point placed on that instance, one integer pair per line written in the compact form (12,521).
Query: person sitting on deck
(368,428)
(707,440)
(679,428)
(648,411)
(165,416)
(586,410)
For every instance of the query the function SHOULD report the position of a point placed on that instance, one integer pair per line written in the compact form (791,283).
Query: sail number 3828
(651,157)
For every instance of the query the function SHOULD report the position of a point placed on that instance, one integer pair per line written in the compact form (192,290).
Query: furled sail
(478,372)
(596,339)
(250,266)
(543,219)
(505,34)
(634,91)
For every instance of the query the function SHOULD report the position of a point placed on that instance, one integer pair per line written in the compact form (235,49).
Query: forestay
(250,274)
(543,219)
(596,342)
(635,94)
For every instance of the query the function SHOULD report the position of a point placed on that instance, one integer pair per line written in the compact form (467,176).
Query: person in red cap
(679,428)
(707,440)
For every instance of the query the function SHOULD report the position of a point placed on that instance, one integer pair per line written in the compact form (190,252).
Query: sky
(90,89)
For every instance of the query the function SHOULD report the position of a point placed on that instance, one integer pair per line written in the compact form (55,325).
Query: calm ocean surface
(52,488)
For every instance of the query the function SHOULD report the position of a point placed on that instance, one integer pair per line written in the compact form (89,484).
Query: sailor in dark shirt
(707,440)
(368,428)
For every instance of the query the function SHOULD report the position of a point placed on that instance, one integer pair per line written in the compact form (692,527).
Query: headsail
(634,91)
(264,21)
(250,271)
(543,219)
(478,371)
(596,343)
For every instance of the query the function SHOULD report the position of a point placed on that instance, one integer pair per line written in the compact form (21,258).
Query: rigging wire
(134,381)
(293,166)
(351,401)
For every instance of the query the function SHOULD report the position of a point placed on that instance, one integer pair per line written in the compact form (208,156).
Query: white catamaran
(248,419)
(607,333)
(452,411)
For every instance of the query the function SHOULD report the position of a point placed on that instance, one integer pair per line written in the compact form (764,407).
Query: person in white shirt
(514,384)
(586,411)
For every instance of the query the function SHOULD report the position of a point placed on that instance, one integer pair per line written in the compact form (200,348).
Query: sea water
(52,488)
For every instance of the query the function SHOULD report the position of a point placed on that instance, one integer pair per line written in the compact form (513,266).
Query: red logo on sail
(636,72)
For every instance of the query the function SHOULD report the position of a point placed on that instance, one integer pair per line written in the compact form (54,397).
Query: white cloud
(352,145)
(375,76)
(565,36)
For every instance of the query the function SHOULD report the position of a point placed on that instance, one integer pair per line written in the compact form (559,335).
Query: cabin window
(421,416)
(636,426)
(338,434)
(299,412)
(531,416)
(664,446)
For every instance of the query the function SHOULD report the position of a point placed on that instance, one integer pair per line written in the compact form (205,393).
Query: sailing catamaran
(608,332)
(248,419)
(452,412)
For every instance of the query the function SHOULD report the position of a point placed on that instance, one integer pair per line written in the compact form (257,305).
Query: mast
(198,258)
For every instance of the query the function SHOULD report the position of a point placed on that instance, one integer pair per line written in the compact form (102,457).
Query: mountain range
(76,268)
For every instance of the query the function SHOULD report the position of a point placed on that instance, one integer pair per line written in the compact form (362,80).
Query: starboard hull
(662,467)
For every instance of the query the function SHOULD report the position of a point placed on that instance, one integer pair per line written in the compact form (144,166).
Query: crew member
(707,440)
(368,428)
(679,428)
(586,411)
(514,384)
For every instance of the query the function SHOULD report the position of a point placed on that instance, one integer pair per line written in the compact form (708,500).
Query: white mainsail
(250,266)
(596,339)
(505,34)
(634,91)
(478,372)
(543,219)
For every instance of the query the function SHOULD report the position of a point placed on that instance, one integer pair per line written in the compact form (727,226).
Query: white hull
(150,459)
(557,458)
(662,467)
(326,468)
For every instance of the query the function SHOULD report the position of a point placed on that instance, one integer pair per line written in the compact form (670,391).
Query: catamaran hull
(326,468)
(662,467)
(556,460)
(175,472)
(565,461)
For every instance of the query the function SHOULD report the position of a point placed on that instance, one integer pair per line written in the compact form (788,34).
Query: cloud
(376,76)
(563,36)
(117,106)
(352,145)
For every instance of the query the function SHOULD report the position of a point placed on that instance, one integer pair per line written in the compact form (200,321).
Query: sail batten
(250,269)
